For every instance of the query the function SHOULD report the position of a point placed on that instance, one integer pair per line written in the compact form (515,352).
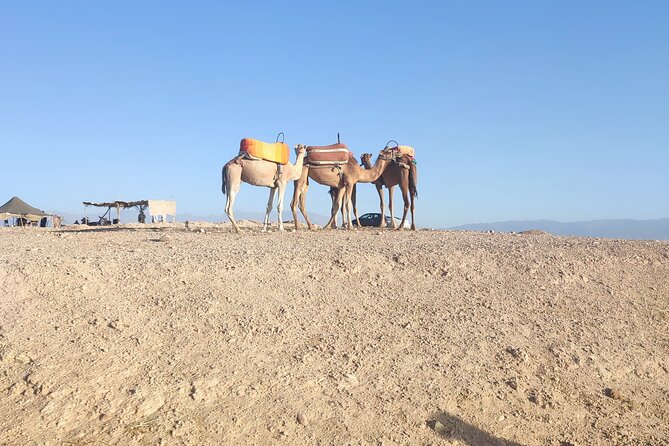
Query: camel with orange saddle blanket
(261,164)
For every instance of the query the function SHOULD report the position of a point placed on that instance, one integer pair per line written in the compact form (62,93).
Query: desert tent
(18,208)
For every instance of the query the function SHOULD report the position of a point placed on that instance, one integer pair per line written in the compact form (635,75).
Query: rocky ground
(144,335)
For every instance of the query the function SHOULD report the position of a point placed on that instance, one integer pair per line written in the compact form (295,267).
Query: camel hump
(276,152)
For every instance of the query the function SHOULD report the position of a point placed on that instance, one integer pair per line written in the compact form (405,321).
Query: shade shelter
(161,208)
(19,209)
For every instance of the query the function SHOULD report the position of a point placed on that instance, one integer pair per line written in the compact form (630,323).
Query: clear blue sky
(517,109)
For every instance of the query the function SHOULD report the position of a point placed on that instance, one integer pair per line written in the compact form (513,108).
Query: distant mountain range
(624,229)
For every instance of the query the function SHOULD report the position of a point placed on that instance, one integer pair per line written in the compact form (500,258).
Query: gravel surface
(150,334)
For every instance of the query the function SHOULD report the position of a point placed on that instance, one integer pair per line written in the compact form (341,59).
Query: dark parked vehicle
(374,219)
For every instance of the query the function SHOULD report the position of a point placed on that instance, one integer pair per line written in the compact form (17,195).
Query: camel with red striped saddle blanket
(339,176)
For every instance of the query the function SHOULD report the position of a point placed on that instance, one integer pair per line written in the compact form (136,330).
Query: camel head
(388,153)
(300,148)
(366,158)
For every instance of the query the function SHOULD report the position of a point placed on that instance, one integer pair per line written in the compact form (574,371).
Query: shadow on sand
(451,427)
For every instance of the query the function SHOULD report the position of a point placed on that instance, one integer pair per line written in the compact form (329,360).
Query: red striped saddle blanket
(333,154)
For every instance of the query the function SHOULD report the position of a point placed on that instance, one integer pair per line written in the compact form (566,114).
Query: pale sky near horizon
(517,110)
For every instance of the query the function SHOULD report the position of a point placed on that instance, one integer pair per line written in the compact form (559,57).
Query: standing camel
(342,178)
(260,173)
(403,173)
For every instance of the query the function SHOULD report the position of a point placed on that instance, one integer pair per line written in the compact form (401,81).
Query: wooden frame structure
(142,205)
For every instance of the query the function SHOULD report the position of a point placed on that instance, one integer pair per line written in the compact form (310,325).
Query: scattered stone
(614,394)
(517,353)
(535,397)
(115,324)
(105,417)
(352,379)
(501,418)
(22,358)
(302,419)
(150,406)
(165,238)
(440,428)
(513,383)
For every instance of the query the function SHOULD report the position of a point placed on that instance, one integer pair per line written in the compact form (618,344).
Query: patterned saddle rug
(333,154)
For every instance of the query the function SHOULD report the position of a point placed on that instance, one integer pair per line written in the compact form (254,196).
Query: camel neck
(297,168)
(372,173)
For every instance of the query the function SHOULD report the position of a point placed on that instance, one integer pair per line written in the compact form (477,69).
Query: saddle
(406,150)
(334,154)
(255,149)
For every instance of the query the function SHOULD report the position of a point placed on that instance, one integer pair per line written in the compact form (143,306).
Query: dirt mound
(165,335)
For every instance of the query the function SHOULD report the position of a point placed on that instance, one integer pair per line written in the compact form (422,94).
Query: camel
(341,178)
(260,173)
(396,174)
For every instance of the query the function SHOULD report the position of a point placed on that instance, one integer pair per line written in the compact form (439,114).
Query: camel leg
(413,205)
(405,197)
(348,200)
(234,178)
(303,206)
(379,189)
(355,205)
(391,189)
(279,205)
(268,209)
(293,202)
(333,195)
(332,223)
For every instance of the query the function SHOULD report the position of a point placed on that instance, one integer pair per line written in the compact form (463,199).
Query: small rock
(105,417)
(115,324)
(614,394)
(440,428)
(202,231)
(150,406)
(352,379)
(165,238)
(22,358)
(501,418)
(302,419)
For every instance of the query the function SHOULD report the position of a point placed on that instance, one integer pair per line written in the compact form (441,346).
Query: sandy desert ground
(144,335)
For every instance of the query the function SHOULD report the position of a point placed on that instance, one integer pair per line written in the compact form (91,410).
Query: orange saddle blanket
(276,152)
(332,154)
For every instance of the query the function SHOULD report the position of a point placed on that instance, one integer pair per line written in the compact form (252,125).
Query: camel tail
(413,179)
(224,179)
